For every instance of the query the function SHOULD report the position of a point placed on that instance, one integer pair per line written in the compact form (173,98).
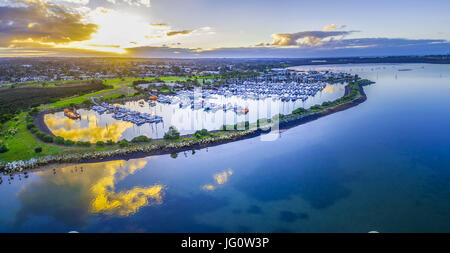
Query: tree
(123,143)
(203,132)
(100,144)
(3,148)
(172,134)
(141,138)
(59,140)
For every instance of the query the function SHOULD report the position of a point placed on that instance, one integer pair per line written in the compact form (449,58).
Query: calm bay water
(95,127)
(383,165)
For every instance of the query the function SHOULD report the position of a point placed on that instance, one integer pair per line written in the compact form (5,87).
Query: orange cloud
(184,32)
(40,22)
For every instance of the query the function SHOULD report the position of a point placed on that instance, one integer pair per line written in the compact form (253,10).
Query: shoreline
(283,125)
(140,151)
(39,121)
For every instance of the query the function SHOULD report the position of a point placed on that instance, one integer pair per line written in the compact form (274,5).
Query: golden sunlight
(98,182)
(73,130)
(219,178)
(118,30)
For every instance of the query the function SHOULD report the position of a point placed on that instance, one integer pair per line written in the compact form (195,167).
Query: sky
(223,28)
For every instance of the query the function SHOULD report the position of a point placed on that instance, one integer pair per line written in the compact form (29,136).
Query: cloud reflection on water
(219,178)
(75,131)
(78,190)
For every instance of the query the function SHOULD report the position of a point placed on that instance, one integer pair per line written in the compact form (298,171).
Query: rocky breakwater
(140,150)
(295,120)
(125,152)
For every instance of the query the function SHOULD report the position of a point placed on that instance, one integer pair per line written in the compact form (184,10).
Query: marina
(379,166)
(273,120)
(190,111)
(121,113)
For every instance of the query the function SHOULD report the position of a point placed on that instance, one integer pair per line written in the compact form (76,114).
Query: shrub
(69,142)
(172,134)
(123,143)
(34,111)
(300,111)
(3,148)
(83,143)
(47,138)
(141,138)
(44,137)
(40,134)
(203,132)
(12,131)
(38,150)
(59,140)
(30,126)
(100,144)
(110,142)
(198,135)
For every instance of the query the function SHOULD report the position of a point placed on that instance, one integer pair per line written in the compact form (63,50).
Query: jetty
(121,113)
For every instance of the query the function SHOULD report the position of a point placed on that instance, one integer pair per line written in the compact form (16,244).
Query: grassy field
(121,86)
(21,145)
(46,83)
(14,100)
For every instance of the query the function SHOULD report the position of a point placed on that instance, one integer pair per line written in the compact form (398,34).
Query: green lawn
(118,89)
(21,145)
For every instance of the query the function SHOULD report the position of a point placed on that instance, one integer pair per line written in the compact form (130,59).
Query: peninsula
(28,143)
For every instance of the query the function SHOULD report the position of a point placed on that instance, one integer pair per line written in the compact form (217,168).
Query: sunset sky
(223,28)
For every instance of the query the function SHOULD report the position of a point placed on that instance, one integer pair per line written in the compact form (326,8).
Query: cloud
(159,25)
(82,2)
(306,38)
(184,32)
(40,22)
(332,48)
(219,179)
(332,27)
(145,3)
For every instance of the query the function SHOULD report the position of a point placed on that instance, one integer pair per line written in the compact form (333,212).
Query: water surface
(95,127)
(383,165)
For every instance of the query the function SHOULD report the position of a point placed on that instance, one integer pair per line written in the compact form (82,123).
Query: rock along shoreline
(144,150)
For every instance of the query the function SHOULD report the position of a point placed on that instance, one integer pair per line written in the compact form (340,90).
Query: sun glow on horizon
(119,30)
